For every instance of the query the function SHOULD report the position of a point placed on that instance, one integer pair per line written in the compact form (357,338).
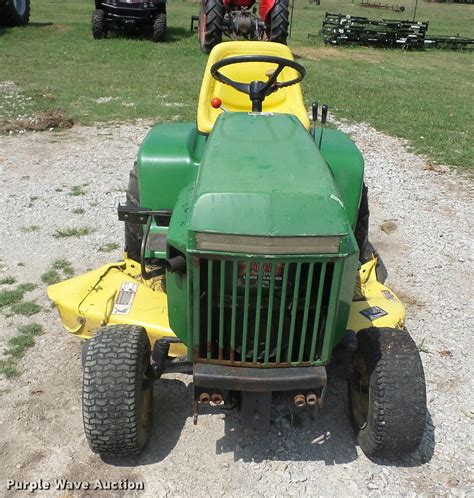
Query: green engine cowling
(266,226)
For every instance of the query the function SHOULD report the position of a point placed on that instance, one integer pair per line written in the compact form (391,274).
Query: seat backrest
(287,100)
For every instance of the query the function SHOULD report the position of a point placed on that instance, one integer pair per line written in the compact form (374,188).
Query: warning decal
(125,297)
(373,313)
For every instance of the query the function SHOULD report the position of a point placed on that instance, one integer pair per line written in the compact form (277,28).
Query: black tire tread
(10,17)
(112,386)
(214,10)
(159,27)
(99,24)
(397,393)
(279,22)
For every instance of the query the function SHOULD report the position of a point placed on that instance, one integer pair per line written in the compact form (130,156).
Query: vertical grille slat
(304,327)
(258,305)
(282,312)
(209,309)
(245,312)
(263,312)
(294,311)
(221,309)
(317,312)
(234,311)
(270,314)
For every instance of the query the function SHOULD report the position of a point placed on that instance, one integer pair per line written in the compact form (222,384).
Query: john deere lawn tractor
(113,13)
(239,19)
(246,266)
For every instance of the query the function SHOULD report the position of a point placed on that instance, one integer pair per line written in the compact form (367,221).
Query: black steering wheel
(258,90)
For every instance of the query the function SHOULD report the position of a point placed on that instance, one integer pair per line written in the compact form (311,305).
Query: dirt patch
(328,53)
(47,120)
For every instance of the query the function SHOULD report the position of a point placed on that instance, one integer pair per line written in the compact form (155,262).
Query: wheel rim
(20,6)
(360,395)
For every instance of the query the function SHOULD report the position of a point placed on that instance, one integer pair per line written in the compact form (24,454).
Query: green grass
(31,228)
(51,277)
(78,211)
(65,266)
(28,287)
(18,346)
(9,297)
(77,190)
(7,280)
(109,247)
(24,308)
(73,232)
(425,97)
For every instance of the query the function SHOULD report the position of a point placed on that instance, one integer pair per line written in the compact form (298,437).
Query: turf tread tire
(279,22)
(133,232)
(397,394)
(159,27)
(211,22)
(362,226)
(99,24)
(9,16)
(113,387)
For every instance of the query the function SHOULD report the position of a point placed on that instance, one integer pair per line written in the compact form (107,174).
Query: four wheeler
(237,19)
(246,266)
(14,12)
(129,12)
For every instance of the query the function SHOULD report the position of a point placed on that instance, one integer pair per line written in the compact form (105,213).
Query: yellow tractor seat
(288,100)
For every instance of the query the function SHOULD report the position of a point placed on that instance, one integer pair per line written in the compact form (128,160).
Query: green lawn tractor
(247,265)
(113,13)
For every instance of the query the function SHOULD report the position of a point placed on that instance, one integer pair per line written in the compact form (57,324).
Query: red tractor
(239,19)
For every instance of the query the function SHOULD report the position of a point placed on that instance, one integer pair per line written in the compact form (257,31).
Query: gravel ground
(421,224)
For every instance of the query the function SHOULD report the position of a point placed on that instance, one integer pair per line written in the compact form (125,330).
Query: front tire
(99,24)
(117,391)
(159,27)
(277,27)
(211,19)
(387,393)
(15,13)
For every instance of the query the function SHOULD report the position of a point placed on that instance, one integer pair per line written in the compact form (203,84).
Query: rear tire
(133,232)
(15,13)
(211,20)
(99,24)
(117,391)
(278,22)
(159,27)
(387,393)
(362,227)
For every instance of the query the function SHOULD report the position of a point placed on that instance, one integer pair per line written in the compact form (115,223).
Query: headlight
(252,244)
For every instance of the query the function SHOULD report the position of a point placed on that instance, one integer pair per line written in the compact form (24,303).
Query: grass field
(425,97)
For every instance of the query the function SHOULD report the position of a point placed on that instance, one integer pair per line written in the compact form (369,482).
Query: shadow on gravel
(296,434)
(167,424)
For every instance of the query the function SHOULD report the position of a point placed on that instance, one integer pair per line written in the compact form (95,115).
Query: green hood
(263,175)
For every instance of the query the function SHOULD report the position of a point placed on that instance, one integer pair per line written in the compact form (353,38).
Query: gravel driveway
(422,225)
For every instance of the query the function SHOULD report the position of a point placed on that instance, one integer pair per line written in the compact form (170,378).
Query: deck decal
(373,313)
(125,297)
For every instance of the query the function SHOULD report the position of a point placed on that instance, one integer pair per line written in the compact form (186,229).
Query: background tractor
(129,13)
(14,12)
(246,266)
(238,19)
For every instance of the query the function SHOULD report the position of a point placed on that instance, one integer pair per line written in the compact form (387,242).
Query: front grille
(261,312)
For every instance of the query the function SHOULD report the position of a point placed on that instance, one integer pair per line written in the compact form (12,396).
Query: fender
(265,7)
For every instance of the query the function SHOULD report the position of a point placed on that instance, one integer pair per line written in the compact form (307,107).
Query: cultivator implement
(340,29)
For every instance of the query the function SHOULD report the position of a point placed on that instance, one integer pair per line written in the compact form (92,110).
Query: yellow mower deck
(116,294)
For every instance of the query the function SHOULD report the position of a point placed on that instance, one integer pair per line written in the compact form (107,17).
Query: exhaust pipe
(311,399)
(216,399)
(204,398)
(299,400)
